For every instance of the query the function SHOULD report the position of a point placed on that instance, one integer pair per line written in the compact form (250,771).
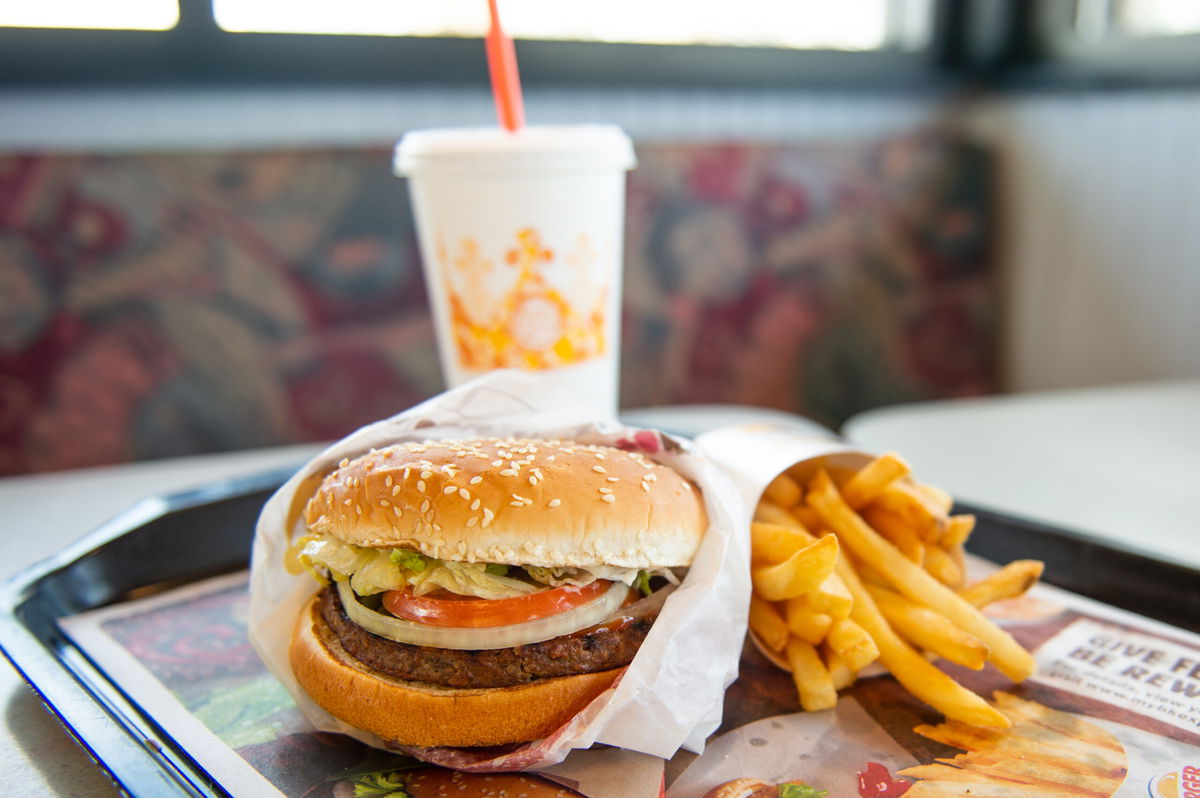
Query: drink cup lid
(542,148)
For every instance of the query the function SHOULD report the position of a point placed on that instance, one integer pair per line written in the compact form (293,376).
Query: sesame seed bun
(513,501)
(416,714)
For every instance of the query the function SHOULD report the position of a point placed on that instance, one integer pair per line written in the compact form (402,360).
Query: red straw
(506,82)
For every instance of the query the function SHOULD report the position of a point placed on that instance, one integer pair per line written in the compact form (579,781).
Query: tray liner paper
(671,694)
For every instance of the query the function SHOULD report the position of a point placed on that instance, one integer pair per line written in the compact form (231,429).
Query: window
(1156,17)
(110,14)
(854,25)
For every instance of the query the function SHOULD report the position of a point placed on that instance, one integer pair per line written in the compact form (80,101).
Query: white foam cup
(521,235)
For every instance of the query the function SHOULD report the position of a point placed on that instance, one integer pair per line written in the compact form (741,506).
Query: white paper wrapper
(754,454)
(671,695)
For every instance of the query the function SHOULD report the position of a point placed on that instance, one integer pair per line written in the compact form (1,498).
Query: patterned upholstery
(158,305)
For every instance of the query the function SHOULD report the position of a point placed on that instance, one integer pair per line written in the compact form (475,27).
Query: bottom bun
(426,715)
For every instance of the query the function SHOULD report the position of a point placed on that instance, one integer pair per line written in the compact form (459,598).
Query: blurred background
(838,206)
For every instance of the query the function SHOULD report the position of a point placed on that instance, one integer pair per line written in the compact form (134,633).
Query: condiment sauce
(877,782)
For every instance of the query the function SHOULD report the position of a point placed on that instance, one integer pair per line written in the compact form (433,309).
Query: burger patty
(598,648)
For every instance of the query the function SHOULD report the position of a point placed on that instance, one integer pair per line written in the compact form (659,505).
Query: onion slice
(469,639)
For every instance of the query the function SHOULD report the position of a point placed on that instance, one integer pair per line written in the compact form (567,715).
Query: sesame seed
(472,521)
(608,497)
(687,486)
(554,502)
(426,474)
(395,490)
(345,462)
(606,490)
(613,479)
(384,503)
(599,469)
(533,480)
(599,455)
(475,504)
(421,485)
(497,463)
(449,489)
(646,486)
(508,472)
(516,504)
(397,512)
(488,515)
(475,480)
(425,506)
(358,509)
(388,482)
(348,502)
(650,477)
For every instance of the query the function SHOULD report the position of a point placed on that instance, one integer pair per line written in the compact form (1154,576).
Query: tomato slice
(444,608)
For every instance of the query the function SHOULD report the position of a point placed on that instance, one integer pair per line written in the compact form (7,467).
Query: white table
(1118,462)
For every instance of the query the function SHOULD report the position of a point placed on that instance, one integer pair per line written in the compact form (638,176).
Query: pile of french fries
(853,567)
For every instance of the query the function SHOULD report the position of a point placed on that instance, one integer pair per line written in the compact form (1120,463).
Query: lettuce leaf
(373,571)
(468,579)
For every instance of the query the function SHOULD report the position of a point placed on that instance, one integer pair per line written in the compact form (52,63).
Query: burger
(482,592)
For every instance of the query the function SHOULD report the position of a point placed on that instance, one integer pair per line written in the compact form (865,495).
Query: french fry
(801,573)
(960,735)
(811,677)
(958,556)
(805,622)
(774,543)
(853,644)
(784,491)
(910,580)
(958,529)
(943,567)
(872,478)
(866,572)
(1011,580)
(929,630)
(807,518)
(940,498)
(903,536)
(769,512)
(913,508)
(831,597)
(839,672)
(767,622)
(912,670)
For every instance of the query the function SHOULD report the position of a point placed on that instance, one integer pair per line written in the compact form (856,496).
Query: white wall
(1100,195)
